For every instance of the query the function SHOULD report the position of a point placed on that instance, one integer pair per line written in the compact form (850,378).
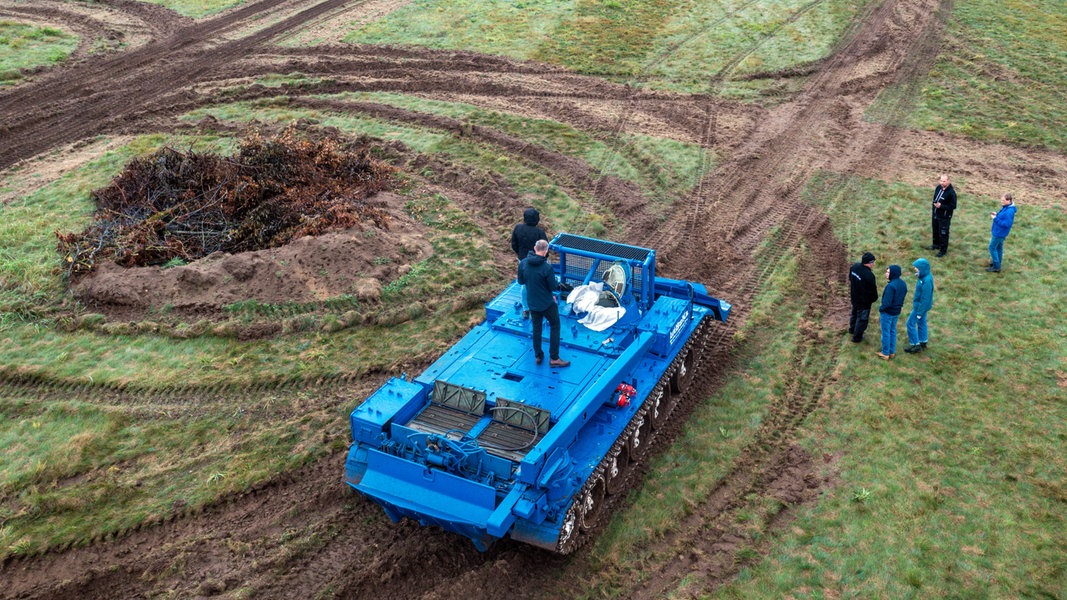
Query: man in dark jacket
(941,214)
(523,238)
(539,277)
(863,291)
(889,312)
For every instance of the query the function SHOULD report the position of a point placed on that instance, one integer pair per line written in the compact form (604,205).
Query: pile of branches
(185,205)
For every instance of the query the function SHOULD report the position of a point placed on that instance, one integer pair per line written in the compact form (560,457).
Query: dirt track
(173,65)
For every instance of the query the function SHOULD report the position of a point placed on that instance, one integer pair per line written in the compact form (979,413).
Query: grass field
(682,45)
(25,47)
(1001,75)
(949,465)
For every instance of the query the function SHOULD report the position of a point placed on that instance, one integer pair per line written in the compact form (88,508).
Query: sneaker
(526,314)
(855,341)
(914,349)
(992,269)
(942,253)
(559,362)
(883,356)
(539,359)
(922,345)
(893,355)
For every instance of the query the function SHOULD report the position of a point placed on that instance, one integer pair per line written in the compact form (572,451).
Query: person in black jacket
(539,277)
(863,291)
(941,214)
(523,238)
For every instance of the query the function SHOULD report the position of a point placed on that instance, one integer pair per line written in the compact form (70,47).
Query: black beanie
(867,258)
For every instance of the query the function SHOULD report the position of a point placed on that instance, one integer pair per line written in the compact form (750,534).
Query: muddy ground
(169,65)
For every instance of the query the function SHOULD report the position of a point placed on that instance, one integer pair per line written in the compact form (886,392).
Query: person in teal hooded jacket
(922,301)
(889,312)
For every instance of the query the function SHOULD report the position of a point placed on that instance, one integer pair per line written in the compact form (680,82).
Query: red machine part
(624,394)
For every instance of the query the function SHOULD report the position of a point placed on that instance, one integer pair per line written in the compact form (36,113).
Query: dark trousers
(552,314)
(857,321)
(940,226)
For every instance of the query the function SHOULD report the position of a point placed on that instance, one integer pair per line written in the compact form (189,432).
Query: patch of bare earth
(357,262)
(301,535)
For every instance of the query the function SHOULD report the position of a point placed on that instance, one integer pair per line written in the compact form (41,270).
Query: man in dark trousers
(941,214)
(537,275)
(523,238)
(863,291)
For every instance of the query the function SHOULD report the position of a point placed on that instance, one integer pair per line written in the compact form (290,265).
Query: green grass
(25,47)
(679,45)
(65,459)
(1001,76)
(951,472)
(665,177)
(197,8)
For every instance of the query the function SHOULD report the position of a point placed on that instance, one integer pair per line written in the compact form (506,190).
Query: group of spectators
(863,288)
(539,283)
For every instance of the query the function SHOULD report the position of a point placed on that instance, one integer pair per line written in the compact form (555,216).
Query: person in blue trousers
(1003,219)
(923,300)
(889,312)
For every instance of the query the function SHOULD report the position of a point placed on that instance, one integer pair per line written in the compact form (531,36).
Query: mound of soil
(356,261)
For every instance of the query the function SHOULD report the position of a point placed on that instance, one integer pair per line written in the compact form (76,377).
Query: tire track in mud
(349,547)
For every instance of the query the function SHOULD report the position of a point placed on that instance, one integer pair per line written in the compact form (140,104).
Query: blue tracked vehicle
(488,444)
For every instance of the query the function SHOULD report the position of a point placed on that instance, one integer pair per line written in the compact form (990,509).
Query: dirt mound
(355,262)
(175,206)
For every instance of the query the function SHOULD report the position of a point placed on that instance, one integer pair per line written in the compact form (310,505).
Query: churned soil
(166,65)
(357,262)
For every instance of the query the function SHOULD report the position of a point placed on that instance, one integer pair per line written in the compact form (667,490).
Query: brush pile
(175,207)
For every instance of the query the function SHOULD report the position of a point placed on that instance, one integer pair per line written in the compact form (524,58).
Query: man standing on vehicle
(539,277)
(863,291)
(523,238)
(941,214)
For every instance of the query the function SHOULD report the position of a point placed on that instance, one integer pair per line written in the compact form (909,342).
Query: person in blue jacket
(889,312)
(922,302)
(1003,219)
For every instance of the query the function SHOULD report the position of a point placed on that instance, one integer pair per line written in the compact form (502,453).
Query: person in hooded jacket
(539,277)
(863,292)
(523,238)
(1003,219)
(889,312)
(922,302)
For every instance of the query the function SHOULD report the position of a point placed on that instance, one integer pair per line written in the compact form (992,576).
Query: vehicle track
(297,534)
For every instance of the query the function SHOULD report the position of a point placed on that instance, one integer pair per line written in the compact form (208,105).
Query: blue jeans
(996,250)
(916,326)
(889,333)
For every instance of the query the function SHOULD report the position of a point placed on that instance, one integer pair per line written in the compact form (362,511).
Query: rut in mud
(171,65)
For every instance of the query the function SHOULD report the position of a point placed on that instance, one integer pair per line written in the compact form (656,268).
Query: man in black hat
(863,291)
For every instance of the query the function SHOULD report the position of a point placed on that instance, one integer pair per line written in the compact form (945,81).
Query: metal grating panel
(508,442)
(603,247)
(458,397)
(441,419)
(522,415)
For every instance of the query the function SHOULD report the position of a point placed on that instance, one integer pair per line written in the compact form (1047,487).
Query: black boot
(914,349)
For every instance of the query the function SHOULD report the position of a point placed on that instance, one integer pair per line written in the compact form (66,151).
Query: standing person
(889,312)
(1003,219)
(923,300)
(540,279)
(523,238)
(863,292)
(941,214)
